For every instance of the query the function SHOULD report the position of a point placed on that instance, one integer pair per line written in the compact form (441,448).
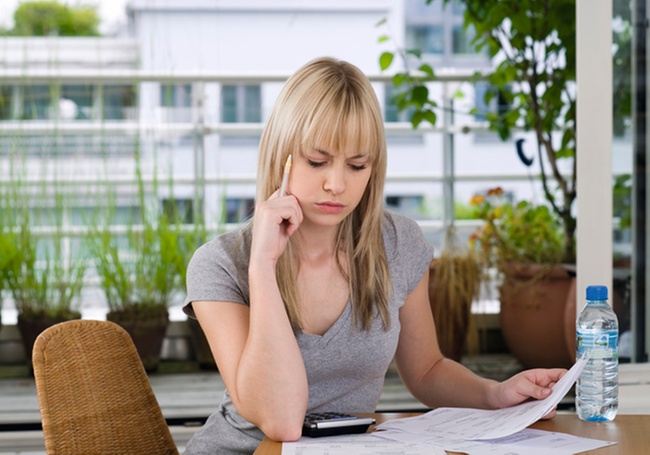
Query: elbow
(282,431)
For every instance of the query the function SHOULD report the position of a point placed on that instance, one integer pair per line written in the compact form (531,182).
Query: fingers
(276,219)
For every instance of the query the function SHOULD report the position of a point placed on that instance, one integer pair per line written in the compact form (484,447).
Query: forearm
(271,378)
(448,383)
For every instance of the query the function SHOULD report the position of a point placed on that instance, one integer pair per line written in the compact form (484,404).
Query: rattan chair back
(94,394)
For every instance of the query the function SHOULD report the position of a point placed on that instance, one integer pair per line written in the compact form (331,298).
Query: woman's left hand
(530,384)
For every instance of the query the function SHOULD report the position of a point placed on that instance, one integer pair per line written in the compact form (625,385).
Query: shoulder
(400,230)
(408,252)
(218,270)
(228,249)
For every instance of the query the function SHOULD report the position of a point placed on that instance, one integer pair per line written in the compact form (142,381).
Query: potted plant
(138,275)
(524,243)
(533,49)
(140,271)
(454,284)
(44,283)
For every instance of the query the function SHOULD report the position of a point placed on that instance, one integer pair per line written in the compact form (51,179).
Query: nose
(335,180)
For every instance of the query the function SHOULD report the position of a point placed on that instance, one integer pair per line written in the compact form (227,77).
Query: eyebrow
(328,154)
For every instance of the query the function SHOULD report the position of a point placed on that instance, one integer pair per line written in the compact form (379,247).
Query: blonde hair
(330,104)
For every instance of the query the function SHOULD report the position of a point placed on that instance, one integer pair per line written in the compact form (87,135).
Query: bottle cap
(596,292)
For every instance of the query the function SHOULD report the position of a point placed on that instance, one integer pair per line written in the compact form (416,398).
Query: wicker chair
(94,394)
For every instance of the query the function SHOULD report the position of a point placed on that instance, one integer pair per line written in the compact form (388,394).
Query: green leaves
(385,60)
(521,232)
(533,44)
(52,18)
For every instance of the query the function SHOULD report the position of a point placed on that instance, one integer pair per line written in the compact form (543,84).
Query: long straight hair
(330,104)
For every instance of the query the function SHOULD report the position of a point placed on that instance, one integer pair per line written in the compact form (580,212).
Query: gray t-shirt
(345,366)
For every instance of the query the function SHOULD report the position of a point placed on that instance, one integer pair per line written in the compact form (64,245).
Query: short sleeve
(408,251)
(217,272)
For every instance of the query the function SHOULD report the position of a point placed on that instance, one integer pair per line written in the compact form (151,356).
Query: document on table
(358,444)
(477,424)
(525,442)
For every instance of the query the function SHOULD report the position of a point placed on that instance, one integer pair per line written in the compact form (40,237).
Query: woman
(305,307)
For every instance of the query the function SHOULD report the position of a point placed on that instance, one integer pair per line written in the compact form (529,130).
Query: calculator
(334,423)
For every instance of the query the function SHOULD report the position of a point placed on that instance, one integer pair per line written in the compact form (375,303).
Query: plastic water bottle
(597,334)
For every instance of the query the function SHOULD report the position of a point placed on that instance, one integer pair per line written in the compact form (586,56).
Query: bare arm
(437,381)
(255,348)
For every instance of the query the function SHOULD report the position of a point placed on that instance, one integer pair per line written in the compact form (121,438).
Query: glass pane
(428,38)
(462,40)
(118,102)
(252,104)
(36,101)
(457,7)
(76,101)
(166,95)
(176,95)
(229,104)
(418,9)
(5,102)
(238,210)
(391,110)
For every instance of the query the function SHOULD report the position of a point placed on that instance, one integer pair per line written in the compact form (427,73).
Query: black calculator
(333,423)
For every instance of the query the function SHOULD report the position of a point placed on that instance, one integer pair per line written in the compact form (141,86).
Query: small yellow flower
(477,199)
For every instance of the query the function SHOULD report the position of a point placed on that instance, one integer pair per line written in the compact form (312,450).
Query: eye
(316,163)
(359,167)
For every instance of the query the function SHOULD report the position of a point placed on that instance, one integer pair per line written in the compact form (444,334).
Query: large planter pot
(147,329)
(31,326)
(538,312)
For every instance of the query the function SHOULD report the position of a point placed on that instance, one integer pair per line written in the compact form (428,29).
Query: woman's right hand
(276,219)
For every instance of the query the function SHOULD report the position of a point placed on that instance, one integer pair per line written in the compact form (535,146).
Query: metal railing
(147,131)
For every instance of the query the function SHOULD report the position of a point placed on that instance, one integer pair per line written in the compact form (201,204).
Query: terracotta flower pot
(538,311)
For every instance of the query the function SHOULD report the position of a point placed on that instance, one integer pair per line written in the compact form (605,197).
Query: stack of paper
(502,431)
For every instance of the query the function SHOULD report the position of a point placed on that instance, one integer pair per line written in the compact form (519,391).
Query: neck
(316,243)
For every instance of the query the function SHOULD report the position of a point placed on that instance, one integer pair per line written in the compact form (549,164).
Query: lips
(330,207)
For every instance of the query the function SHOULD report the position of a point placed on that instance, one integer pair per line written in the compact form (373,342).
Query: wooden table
(631,432)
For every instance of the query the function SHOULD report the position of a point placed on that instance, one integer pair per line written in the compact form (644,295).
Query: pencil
(285,177)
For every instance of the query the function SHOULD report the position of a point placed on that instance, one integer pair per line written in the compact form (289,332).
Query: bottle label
(602,344)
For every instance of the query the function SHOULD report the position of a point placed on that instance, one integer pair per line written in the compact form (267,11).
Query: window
(118,102)
(411,206)
(239,210)
(461,40)
(6,102)
(35,102)
(437,30)
(241,104)
(391,111)
(179,210)
(76,102)
(428,38)
(497,104)
(176,95)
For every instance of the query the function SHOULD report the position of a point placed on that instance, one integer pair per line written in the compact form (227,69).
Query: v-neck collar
(311,339)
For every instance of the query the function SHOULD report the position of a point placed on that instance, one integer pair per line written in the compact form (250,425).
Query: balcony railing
(152,131)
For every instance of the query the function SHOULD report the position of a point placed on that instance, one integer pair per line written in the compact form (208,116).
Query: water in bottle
(597,334)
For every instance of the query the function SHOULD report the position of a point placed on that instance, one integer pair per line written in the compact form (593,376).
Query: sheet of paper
(362,444)
(470,424)
(525,442)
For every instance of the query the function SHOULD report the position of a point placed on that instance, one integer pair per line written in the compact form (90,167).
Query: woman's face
(329,184)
